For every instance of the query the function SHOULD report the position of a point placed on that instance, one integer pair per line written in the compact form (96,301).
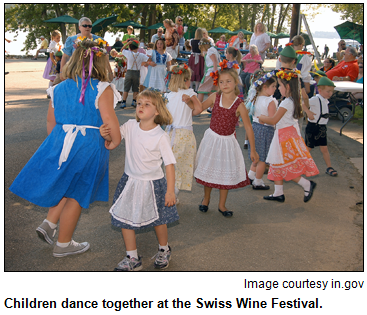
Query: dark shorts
(132,80)
(315,135)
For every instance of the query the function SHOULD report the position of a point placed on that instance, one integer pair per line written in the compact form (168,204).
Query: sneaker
(46,233)
(162,258)
(72,249)
(133,104)
(123,104)
(129,264)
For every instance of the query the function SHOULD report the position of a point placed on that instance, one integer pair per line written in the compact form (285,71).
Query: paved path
(325,234)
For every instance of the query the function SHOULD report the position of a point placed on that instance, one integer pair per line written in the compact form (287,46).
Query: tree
(351,12)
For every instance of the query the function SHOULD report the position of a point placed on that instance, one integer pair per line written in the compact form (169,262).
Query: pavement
(325,234)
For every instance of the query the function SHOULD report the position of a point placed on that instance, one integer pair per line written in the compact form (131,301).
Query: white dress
(156,75)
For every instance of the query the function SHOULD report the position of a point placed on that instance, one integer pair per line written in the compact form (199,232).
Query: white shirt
(131,57)
(180,111)
(145,151)
(209,61)
(305,65)
(261,107)
(260,41)
(287,120)
(54,47)
(315,108)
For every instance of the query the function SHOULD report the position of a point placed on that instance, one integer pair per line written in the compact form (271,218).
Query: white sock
(278,190)
(62,244)
(251,175)
(132,253)
(306,184)
(165,248)
(258,182)
(246,141)
(52,225)
(177,191)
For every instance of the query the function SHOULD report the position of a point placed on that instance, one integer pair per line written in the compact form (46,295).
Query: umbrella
(271,35)
(102,23)
(127,23)
(63,19)
(155,26)
(282,35)
(219,30)
(245,32)
(307,39)
(349,30)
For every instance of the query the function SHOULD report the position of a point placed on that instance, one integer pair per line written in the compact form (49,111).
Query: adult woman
(240,42)
(252,62)
(260,39)
(206,36)
(221,43)
(328,64)
(196,60)
(180,31)
(172,38)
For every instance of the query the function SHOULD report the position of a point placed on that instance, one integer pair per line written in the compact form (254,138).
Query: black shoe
(312,187)
(260,187)
(245,146)
(203,208)
(226,214)
(280,198)
(7,72)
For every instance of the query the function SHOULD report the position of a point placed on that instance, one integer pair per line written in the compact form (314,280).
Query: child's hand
(185,98)
(310,115)
(170,199)
(105,131)
(254,156)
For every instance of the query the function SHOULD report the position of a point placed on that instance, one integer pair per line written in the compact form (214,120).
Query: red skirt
(197,69)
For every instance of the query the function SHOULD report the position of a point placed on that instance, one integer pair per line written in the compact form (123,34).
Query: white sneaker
(72,249)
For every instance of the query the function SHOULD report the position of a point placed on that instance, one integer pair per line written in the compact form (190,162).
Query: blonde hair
(169,22)
(55,33)
(263,28)
(177,81)
(204,43)
(233,73)
(298,40)
(164,44)
(199,33)
(164,117)
(254,48)
(74,67)
(130,28)
(179,17)
(235,53)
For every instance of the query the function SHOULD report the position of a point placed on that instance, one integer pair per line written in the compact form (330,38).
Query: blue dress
(84,175)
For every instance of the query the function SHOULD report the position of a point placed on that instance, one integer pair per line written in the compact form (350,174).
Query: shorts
(132,81)
(315,135)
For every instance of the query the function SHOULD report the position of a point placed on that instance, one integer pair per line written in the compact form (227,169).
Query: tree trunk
(143,22)
(294,21)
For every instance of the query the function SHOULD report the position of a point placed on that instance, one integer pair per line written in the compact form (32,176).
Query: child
(212,60)
(263,103)
(58,57)
(134,62)
(196,60)
(219,162)
(316,131)
(182,104)
(143,197)
(50,68)
(70,169)
(119,74)
(158,66)
(234,57)
(316,76)
(288,155)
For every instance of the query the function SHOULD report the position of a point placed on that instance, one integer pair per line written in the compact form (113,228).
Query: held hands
(105,131)
(170,199)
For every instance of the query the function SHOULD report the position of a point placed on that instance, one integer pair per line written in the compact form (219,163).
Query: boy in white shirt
(316,131)
(134,62)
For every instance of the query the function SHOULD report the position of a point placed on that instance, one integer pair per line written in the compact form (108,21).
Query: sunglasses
(86,25)
(180,20)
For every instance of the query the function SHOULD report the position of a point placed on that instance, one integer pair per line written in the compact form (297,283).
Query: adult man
(341,47)
(157,36)
(118,44)
(347,69)
(326,52)
(85,28)
(43,48)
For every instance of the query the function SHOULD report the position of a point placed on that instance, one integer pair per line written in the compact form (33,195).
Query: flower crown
(289,44)
(223,65)
(120,62)
(180,70)
(288,75)
(264,78)
(301,52)
(156,91)
(102,47)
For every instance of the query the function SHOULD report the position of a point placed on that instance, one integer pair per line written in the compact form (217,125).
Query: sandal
(330,171)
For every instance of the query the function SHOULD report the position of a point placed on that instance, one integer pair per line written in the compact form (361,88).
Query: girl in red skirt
(288,155)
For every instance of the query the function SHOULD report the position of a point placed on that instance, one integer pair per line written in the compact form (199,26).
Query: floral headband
(158,92)
(288,75)
(223,65)
(180,70)
(301,52)
(264,78)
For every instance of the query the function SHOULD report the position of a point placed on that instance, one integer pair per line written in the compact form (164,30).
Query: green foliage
(351,12)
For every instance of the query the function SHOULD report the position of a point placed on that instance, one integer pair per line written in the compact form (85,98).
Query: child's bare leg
(68,220)
(162,234)
(135,94)
(325,154)
(53,214)
(207,192)
(223,193)
(260,169)
(253,167)
(200,97)
(125,96)
(129,239)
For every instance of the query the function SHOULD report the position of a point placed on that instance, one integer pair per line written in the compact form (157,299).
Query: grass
(358,116)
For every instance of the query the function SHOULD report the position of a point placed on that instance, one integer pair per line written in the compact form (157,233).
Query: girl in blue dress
(70,168)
